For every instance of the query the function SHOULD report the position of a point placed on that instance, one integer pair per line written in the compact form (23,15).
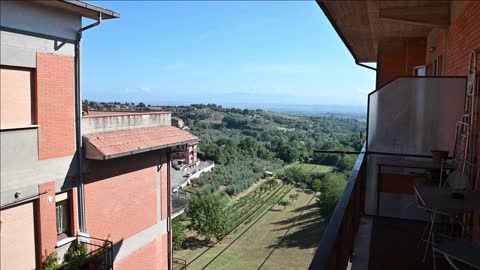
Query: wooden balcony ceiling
(363,25)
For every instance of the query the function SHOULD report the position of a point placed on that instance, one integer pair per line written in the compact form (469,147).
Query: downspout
(78,127)
(365,66)
(169,214)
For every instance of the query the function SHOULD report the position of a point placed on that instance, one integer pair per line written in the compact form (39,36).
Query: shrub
(74,255)
(316,185)
(208,215)
(178,235)
(52,261)
(294,197)
(284,203)
(331,190)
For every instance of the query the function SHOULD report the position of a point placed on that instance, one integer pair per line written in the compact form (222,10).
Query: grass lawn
(312,168)
(248,252)
(239,210)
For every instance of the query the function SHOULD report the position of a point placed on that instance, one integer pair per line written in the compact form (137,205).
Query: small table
(441,199)
(427,164)
(460,250)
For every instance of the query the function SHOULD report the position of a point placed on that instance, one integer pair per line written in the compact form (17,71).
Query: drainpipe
(78,128)
(365,66)
(169,213)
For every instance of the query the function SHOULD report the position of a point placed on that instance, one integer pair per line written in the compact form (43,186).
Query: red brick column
(74,210)
(46,218)
(55,100)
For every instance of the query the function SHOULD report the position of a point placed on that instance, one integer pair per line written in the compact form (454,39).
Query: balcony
(353,239)
(336,246)
(377,223)
(179,202)
(99,255)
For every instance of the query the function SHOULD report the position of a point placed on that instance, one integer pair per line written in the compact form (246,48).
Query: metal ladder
(466,137)
(471,111)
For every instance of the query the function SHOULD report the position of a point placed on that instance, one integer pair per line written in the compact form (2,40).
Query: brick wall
(46,216)
(55,103)
(415,52)
(463,37)
(121,195)
(122,205)
(392,65)
(74,210)
(153,256)
(399,62)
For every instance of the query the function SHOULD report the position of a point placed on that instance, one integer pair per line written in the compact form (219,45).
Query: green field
(249,251)
(311,168)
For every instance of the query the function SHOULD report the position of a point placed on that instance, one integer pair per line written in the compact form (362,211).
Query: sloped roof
(133,141)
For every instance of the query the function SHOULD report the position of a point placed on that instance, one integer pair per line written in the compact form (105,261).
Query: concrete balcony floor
(393,244)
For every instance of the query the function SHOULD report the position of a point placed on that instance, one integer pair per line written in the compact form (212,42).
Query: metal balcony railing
(179,264)
(336,246)
(99,255)
(179,201)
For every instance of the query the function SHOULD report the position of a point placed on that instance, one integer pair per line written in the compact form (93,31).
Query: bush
(178,236)
(52,261)
(331,190)
(74,258)
(294,197)
(316,185)
(208,215)
(284,203)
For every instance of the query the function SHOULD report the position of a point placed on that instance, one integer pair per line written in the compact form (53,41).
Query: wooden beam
(434,16)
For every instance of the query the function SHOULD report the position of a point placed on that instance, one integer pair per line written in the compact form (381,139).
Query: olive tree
(208,216)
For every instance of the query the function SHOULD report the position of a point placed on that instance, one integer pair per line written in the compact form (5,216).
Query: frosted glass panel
(415,115)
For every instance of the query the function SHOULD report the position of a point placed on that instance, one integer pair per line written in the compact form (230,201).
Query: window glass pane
(420,71)
(63,217)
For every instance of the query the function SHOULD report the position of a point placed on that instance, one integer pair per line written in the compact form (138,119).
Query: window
(63,216)
(419,71)
(437,66)
(16,108)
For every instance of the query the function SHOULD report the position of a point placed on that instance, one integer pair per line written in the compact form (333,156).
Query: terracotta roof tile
(123,142)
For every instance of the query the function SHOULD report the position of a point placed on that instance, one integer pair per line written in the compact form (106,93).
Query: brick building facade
(67,179)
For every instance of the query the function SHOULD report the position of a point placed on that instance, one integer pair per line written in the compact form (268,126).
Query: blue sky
(221,52)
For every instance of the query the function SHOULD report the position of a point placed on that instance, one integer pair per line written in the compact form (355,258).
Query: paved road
(178,177)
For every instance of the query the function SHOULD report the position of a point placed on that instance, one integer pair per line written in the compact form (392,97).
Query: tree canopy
(207,213)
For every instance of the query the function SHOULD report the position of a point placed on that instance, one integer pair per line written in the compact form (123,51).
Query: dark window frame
(420,68)
(63,225)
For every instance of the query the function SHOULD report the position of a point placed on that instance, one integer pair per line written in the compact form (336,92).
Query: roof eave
(139,151)
(332,21)
(106,13)
(82,8)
